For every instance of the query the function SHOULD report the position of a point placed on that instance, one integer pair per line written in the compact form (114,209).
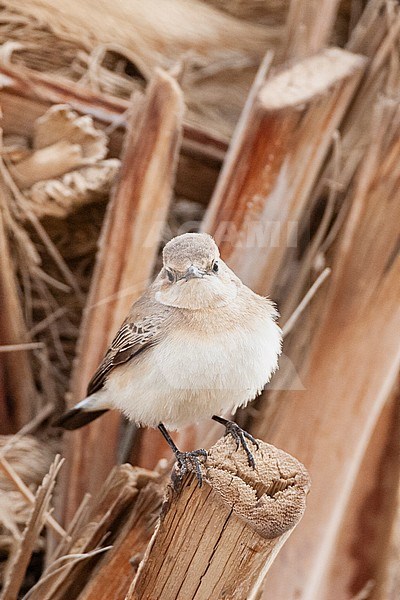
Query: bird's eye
(170,275)
(215,266)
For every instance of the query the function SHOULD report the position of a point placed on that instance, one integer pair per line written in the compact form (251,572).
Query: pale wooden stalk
(349,368)
(219,541)
(18,374)
(128,250)
(21,347)
(309,27)
(274,159)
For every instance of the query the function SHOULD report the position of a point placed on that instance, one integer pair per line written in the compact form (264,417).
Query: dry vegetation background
(128,122)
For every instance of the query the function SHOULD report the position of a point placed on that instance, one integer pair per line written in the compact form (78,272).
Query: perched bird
(198,342)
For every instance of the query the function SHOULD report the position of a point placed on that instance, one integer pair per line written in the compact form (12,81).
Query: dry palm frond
(66,170)
(258,11)
(16,569)
(31,460)
(116,48)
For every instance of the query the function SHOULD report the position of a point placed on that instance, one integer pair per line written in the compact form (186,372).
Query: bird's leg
(188,462)
(240,436)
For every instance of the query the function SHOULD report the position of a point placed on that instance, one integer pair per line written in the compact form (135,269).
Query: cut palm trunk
(219,541)
(273,161)
(366,275)
(128,250)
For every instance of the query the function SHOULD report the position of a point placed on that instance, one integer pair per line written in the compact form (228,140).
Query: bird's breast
(238,358)
(195,372)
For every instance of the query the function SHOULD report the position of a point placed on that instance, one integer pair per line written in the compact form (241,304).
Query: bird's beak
(193,272)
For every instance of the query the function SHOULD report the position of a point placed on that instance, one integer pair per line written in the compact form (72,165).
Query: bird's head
(193,274)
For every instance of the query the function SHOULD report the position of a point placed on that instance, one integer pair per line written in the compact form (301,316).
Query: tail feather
(86,411)
(77,417)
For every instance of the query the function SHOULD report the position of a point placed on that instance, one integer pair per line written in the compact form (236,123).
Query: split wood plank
(128,250)
(219,541)
(351,364)
(274,159)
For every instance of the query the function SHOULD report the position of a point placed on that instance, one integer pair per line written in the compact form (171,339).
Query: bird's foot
(190,462)
(240,436)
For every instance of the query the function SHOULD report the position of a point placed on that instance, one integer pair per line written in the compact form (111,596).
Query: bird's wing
(135,336)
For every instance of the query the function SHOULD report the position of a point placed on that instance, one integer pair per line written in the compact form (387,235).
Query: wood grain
(219,541)
(350,366)
(273,161)
(128,249)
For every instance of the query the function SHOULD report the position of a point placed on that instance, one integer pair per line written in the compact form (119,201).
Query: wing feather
(132,339)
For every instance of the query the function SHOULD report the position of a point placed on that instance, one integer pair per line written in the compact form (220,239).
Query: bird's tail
(81,414)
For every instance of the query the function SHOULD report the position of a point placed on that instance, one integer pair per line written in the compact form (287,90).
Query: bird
(197,344)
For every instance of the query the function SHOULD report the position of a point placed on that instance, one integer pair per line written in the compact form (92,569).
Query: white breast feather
(188,377)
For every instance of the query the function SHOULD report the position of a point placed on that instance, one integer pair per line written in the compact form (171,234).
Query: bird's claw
(190,462)
(240,436)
